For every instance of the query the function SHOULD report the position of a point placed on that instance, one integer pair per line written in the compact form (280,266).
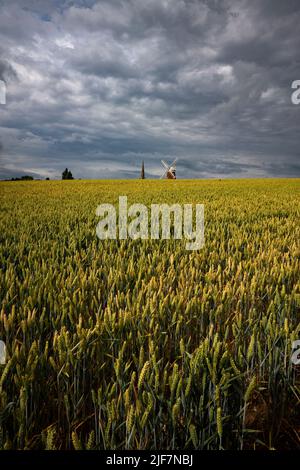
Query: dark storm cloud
(99,86)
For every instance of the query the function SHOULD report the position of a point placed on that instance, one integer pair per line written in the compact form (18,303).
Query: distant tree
(67,175)
(23,178)
(26,178)
(47,179)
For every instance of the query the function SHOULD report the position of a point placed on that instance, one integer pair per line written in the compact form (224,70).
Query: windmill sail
(170,170)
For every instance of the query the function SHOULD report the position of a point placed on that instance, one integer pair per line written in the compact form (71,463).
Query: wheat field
(141,344)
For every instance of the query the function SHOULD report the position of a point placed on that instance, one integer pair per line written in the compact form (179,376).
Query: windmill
(170,170)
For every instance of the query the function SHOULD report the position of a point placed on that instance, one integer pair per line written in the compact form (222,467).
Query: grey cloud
(99,86)
(6,173)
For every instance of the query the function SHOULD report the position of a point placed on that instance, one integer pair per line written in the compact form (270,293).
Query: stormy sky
(99,86)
